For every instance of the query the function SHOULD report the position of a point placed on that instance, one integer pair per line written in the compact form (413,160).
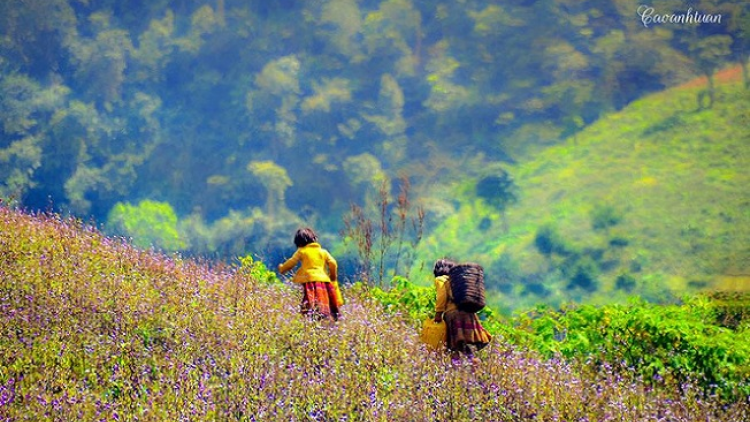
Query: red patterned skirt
(465,330)
(319,300)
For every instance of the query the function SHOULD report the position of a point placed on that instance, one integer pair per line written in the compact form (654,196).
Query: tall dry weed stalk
(395,222)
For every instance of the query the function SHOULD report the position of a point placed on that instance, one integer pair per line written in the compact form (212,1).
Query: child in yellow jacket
(318,273)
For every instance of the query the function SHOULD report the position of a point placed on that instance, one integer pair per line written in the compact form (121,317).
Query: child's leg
(469,350)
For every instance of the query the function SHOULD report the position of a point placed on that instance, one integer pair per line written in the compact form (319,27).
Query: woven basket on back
(467,286)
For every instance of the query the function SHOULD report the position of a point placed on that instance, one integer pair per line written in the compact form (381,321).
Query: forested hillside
(216,128)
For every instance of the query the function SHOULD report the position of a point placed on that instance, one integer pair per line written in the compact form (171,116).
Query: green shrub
(604,217)
(681,342)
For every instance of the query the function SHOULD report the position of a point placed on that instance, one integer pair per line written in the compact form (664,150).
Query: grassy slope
(93,329)
(679,177)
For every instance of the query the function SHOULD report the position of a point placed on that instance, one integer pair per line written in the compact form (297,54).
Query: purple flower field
(92,329)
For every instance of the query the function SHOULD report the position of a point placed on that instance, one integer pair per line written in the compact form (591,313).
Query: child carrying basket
(460,295)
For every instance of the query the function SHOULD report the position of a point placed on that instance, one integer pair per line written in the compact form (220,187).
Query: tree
(346,18)
(708,53)
(499,191)
(365,172)
(25,110)
(445,94)
(739,27)
(155,48)
(327,92)
(389,119)
(549,241)
(569,96)
(33,33)
(275,179)
(99,154)
(582,272)
(392,33)
(278,89)
(149,224)
(604,216)
(100,62)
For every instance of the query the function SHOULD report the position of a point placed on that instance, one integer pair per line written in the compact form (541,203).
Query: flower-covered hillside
(93,329)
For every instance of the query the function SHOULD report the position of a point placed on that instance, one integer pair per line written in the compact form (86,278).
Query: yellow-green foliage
(94,329)
(149,223)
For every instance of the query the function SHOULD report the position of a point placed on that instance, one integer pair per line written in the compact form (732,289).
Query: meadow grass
(93,329)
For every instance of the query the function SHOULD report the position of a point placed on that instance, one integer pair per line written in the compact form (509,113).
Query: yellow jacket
(314,261)
(444,301)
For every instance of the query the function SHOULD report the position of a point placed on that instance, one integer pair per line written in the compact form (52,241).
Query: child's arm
(333,267)
(290,263)
(442,299)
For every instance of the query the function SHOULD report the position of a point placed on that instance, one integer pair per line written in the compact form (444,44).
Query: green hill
(650,200)
(94,329)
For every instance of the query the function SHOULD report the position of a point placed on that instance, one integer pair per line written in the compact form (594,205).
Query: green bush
(682,342)
(256,270)
(604,217)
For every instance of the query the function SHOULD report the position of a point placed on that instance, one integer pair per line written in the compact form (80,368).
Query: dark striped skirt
(465,330)
(319,300)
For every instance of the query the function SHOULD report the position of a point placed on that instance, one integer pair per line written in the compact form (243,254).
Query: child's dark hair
(443,267)
(304,237)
